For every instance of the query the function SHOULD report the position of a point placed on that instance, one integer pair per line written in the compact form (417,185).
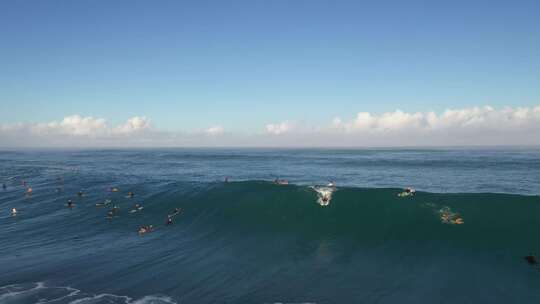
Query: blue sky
(243,64)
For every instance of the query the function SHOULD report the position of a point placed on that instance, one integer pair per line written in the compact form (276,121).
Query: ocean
(461,238)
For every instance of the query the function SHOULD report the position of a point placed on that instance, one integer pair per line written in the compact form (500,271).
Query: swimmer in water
(145,229)
(70,204)
(29,191)
(169,220)
(113,212)
(13,212)
(130,194)
(4,186)
(80,193)
(226,179)
(458,221)
(445,218)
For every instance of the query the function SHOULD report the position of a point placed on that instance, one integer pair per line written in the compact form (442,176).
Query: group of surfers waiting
(113,212)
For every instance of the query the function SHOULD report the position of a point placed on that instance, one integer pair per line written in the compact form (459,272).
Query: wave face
(253,241)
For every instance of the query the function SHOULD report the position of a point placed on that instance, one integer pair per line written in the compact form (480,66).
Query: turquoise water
(252,241)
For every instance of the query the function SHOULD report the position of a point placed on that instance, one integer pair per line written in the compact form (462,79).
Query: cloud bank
(215,130)
(470,119)
(279,128)
(453,127)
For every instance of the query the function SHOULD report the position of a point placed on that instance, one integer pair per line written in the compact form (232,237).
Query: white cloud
(71,125)
(78,126)
(279,128)
(467,119)
(134,124)
(215,130)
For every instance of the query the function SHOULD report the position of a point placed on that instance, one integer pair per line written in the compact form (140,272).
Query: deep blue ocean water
(253,241)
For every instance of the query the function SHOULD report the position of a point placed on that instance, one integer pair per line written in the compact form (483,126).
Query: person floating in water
(70,204)
(531,259)
(13,212)
(113,212)
(449,217)
(130,194)
(145,229)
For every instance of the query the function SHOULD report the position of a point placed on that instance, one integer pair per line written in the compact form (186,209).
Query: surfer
(106,202)
(136,208)
(281,181)
(144,229)
(407,192)
(113,212)
(457,220)
(325,199)
(531,259)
